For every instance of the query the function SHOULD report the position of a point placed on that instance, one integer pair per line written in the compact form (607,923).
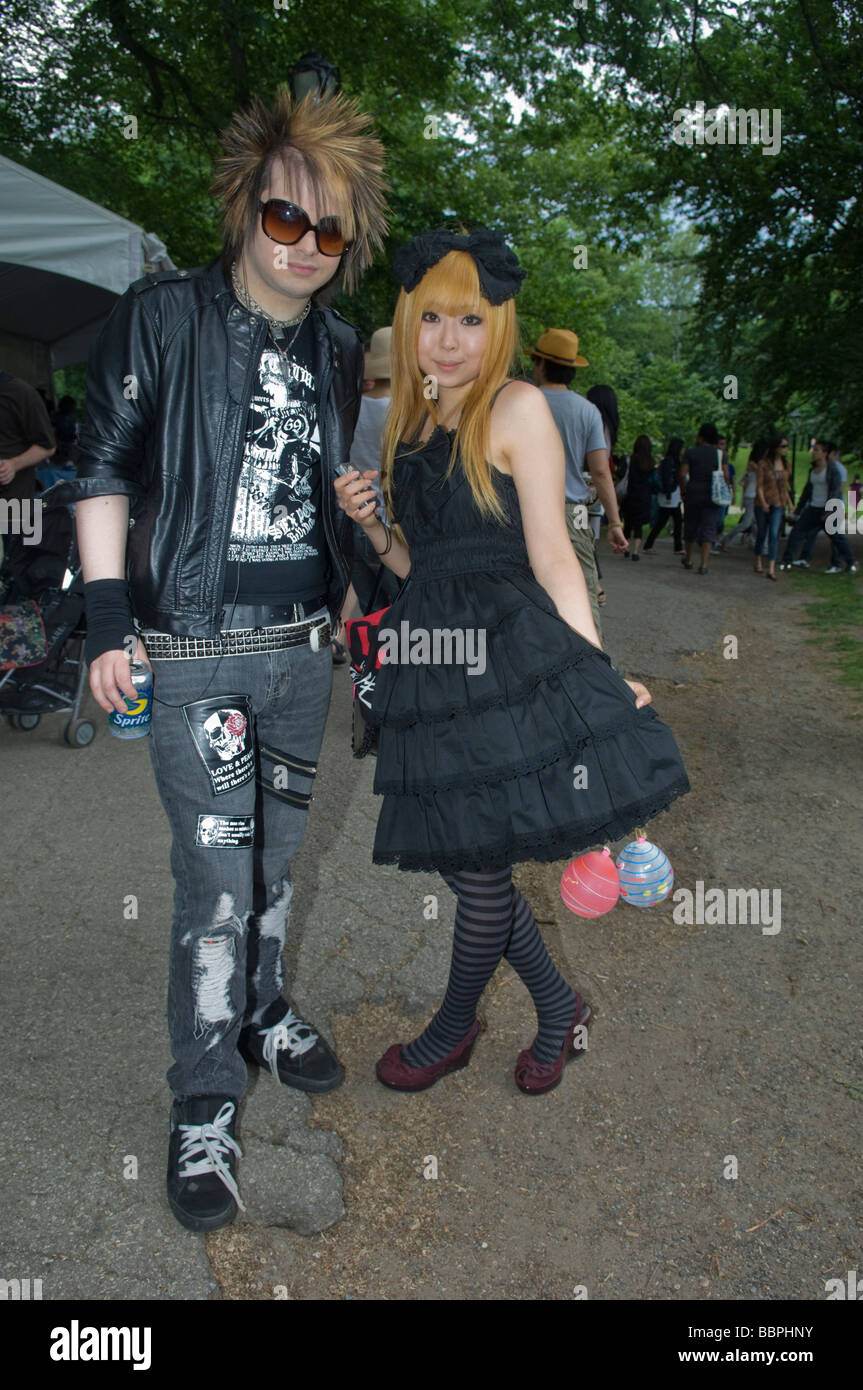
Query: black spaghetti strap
(500,388)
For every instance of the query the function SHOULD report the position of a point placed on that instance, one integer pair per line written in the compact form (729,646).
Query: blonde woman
(528,745)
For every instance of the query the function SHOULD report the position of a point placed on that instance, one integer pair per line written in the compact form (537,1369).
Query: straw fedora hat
(560,346)
(378,356)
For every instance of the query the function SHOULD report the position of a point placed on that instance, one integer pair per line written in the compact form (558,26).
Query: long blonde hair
(450,287)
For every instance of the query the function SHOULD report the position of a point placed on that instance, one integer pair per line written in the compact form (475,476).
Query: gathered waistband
(430,559)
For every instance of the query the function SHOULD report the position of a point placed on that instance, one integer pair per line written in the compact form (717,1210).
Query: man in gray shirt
(555,358)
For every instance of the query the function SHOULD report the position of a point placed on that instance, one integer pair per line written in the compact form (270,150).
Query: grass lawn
(836,618)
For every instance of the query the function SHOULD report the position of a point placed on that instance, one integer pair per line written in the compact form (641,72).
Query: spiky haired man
(221,402)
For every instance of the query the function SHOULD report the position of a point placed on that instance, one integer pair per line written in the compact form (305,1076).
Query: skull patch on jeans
(222,729)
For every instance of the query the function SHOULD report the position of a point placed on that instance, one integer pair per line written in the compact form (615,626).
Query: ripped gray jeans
(234,746)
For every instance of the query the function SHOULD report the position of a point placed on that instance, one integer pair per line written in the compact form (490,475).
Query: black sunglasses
(287,223)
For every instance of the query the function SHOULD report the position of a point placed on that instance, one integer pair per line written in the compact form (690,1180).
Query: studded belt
(238,641)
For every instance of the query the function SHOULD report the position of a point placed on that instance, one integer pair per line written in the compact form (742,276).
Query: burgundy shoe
(395,1072)
(535,1078)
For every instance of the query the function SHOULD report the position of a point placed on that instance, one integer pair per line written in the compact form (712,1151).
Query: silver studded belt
(238,641)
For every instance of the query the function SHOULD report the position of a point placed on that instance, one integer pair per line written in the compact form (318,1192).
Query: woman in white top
(669,500)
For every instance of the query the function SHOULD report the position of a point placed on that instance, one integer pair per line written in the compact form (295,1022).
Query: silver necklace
(283,351)
(246,298)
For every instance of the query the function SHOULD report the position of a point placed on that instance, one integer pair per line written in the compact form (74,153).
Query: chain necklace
(245,297)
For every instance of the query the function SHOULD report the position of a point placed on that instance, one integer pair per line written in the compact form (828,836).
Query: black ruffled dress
(542,754)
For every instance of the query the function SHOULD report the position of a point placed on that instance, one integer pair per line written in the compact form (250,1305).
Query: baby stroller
(41,587)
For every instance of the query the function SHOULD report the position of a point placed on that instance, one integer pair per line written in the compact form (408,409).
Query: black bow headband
(500,274)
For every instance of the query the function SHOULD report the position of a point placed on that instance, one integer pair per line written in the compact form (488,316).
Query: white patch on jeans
(224,909)
(271,925)
(273,921)
(213,970)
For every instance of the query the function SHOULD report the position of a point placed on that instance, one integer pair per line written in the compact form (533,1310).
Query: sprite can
(135,723)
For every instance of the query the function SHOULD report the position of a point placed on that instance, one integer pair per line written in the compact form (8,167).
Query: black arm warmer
(109,617)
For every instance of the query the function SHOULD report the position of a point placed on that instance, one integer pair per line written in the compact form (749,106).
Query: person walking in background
(372,584)
(809,518)
(771,499)
(789,471)
(636,505)
(823,484)
(555,357)
(605,400)
(668,498)
(748,485)
(722,445)
(834,456)
(700,512)
(841,554)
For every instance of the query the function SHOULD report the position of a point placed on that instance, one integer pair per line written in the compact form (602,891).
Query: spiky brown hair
(329,139)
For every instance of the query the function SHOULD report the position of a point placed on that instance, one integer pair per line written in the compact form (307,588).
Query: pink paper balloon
(590,885)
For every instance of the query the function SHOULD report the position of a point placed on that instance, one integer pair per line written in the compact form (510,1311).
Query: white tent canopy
(63,262)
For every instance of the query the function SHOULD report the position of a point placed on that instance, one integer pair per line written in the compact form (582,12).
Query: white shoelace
(213,1142)
(285,1037)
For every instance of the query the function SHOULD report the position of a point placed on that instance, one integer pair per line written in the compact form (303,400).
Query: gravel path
(717,1048)
(712,1042)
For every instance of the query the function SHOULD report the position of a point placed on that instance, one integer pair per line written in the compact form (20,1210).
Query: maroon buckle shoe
(535,1078)
(395,1072)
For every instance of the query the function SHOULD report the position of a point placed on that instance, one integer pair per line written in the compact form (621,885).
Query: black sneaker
(295,1054)
(202,1162)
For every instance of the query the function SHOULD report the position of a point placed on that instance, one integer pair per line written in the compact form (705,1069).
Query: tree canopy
(704,279)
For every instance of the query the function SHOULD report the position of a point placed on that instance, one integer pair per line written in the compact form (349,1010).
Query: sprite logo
(136,706)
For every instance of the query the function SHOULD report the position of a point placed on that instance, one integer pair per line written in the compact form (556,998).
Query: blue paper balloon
(646,875)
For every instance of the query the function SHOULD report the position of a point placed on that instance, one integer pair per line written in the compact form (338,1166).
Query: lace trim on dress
(535,763)
(543,847)
(517,695)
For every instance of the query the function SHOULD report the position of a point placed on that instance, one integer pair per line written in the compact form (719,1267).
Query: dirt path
(713,1043)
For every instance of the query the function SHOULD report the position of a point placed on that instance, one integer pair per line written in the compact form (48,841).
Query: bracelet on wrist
(386,549)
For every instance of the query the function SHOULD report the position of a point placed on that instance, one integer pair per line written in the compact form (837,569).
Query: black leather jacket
(168,391)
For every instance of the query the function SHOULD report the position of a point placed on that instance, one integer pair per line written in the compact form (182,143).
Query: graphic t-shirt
(277,548)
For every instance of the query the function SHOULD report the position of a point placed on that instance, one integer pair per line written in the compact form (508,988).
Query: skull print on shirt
(273,514)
